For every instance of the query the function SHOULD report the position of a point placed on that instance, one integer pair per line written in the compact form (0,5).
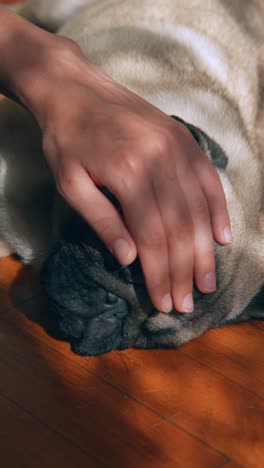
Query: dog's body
(202,60)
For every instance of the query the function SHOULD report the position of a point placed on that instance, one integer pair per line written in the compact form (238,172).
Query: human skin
(98,133)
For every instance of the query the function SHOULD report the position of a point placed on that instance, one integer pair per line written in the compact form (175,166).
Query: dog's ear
(208,145)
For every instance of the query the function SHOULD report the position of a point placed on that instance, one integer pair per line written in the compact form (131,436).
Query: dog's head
(101,306)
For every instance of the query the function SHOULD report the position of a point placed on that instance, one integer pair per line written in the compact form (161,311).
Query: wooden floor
(199,406)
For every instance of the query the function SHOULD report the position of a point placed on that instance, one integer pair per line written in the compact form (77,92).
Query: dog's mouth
(97,305)
(91,295)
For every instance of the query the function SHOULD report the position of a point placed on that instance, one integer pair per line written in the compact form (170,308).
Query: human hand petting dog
(98,133)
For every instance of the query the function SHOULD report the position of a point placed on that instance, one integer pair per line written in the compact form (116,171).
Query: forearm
(34,61)
(30,59)
(22,47)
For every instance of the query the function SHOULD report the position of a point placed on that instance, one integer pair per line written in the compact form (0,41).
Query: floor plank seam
(119,388)
(125,394)
(47,426)
(24,301)
(222,375)
(178,349)
(261,330)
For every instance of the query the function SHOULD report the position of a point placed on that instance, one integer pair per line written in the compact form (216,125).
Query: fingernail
(187,303)
(166,303)
(210,281)
(228,234)
(121,250)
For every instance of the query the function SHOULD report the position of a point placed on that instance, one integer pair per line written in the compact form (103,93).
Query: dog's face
(102,306)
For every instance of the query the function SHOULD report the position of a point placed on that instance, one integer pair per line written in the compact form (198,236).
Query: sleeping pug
(202,62)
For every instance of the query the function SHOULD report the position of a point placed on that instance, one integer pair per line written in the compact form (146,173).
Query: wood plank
(91,413)
(159,379)
(17,282)
(196,399)
(232,464)
(206,404)
(26,442)
(259,325)
(235,352)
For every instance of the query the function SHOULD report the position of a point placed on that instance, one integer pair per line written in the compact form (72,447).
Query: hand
(98,133)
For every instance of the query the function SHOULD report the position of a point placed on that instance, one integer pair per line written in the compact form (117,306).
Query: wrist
(24,50)
(39,67)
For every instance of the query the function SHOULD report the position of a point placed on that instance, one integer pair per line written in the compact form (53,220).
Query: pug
(202,62)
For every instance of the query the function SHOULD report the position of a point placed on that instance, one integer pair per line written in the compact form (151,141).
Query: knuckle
(209,252)
(205,254)
(217,177)
(103,225)
(68,46)
(152,240)
(157,290)
(201,208)
(160,145)
(67,182)
(56,142)
(214,179)
(59,143)
(129,165)
(182,233)
(159,284)
(128,176)
(49,146)
(206,260)
(73,46)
